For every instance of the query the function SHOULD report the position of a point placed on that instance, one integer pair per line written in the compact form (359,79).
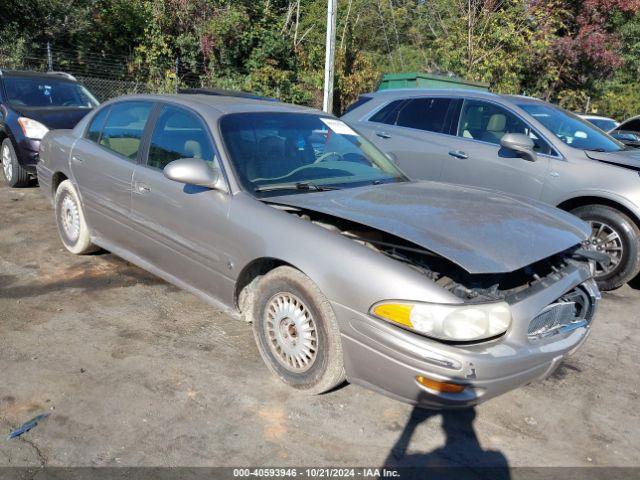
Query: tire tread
(20,176)
(334,372)
(630,231)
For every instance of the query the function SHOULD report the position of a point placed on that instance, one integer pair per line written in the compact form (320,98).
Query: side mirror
(521,144)
(194,171)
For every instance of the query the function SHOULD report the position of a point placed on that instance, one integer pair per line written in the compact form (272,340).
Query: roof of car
(630,119)
(468,92)
(27,73)
(523,99)
(225,93)
(224,104)
(431,91)
(595,117)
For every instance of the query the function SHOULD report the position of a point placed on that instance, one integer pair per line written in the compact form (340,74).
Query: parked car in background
(518,145)
(31,104)
(434,294)
(628,132)
(605,124)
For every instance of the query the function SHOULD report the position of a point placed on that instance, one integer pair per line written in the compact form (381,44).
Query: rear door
(184,226)
(416,132)
(478,159)
(103,162)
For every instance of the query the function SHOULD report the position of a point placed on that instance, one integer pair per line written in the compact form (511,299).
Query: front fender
(346,272)
(630,201)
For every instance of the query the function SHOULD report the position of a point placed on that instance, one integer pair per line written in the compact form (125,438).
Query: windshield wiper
(301,186)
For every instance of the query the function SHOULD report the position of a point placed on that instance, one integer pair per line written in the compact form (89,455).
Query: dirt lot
(134,371)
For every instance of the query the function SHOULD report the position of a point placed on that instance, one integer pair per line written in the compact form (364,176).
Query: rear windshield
(358,103)
(43,92)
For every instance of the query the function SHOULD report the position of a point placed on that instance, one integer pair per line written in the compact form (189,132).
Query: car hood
(55,118)
(480,230)
(624,158)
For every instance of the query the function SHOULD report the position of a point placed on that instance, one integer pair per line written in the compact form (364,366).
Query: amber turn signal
(443,387)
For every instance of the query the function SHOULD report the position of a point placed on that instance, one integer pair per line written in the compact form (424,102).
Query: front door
(184,226)
(479,160)
(102,163)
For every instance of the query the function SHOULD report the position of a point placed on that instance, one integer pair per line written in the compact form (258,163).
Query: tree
(566,51)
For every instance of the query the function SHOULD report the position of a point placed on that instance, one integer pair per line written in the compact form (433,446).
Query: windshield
(275,152)
(605,124)
(571,129)
(43,92)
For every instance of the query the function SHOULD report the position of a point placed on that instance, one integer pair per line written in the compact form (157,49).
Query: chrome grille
(572,310)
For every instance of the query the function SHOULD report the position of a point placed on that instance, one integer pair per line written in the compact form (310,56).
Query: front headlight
(32,128)
(458,323)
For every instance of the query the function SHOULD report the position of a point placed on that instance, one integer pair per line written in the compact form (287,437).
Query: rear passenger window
(178,134)
(429,114)
(122,132)
(97,124)
(387,114)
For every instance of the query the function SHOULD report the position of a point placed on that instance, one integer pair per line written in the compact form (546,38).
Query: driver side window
(487,122)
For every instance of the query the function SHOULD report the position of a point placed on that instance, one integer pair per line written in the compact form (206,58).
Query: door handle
(142,188)
(458,154)
(76,158)
(383,135)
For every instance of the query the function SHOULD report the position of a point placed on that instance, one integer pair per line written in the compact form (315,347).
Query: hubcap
(7,165)
(291,332)
(605,239)
(70,218)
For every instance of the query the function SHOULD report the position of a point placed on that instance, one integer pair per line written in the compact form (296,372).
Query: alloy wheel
(7,164)
(606,239)
(291,332)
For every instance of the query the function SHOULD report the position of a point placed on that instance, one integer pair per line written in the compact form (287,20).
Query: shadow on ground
(87,276)
(635,283)
(461,457)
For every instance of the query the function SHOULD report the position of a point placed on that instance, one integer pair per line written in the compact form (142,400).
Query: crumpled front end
(551,318)
(551,301)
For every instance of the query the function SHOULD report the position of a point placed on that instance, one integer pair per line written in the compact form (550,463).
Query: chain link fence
(105,77)
(104,88)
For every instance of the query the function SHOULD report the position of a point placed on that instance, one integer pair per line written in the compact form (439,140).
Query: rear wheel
(613,233)
(72,226)
(296,331)
(14,173)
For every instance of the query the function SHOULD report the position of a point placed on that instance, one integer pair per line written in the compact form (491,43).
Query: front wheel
(296,331)
(14,173)
(72,226)
(613,233)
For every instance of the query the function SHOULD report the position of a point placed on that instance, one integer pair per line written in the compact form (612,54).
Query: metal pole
(49,57)
(329,64)
(177,72)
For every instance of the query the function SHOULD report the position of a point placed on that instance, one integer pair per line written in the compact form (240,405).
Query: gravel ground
(134,371)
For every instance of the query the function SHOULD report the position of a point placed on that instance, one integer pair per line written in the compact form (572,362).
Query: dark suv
(31,104)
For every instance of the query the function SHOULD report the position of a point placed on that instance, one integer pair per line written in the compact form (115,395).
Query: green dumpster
(426,80)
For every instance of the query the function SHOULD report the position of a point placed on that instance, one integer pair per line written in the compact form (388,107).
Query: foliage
(576,53)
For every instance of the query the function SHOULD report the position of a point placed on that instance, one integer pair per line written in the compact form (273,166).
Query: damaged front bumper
(388,359)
